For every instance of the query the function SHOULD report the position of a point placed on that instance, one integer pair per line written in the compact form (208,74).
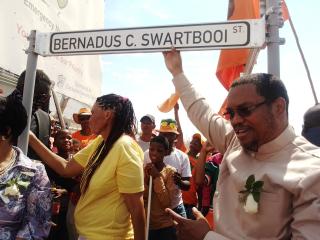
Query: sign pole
(273,23)
(149,207)
(59,112)
(28,89)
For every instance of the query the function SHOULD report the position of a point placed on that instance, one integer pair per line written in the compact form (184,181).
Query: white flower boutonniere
(12,190)
(13,187)
(250,196)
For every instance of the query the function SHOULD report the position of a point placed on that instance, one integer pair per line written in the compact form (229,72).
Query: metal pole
(273,23)
(28,89)
(59,113)
(149,207)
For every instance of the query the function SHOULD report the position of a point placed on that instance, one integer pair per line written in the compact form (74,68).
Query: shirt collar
(287,136)
(23,161)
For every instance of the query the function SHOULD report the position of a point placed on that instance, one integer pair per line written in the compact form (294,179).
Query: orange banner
(285,11)
(232,62)
(169,103)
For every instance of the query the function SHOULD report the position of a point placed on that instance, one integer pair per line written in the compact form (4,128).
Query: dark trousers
(188,208)
(168,233)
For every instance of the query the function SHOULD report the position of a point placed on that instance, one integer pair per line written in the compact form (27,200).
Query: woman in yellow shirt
(111,202)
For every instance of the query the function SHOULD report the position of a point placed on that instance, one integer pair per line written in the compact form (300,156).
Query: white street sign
(223,35)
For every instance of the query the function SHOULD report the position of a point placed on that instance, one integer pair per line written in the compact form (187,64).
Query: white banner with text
(77,77)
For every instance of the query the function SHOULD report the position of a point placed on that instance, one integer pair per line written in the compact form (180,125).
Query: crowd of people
(246,175)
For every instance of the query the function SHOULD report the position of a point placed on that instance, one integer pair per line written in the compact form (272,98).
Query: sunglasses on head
(242,111)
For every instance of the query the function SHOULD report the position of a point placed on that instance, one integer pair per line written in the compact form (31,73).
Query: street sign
(223,35)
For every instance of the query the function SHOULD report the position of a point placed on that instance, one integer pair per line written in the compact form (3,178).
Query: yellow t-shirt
(101,212)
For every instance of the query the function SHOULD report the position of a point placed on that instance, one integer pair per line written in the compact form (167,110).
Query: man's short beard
(252,146)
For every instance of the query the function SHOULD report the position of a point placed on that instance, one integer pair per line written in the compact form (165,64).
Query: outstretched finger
(175,216)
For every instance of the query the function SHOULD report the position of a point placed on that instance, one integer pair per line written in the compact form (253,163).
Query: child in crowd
(163,190)
(61,186)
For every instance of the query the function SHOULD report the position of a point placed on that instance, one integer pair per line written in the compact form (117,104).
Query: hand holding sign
(173,61)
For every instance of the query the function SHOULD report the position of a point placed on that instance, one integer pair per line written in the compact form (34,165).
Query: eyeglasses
(242,111)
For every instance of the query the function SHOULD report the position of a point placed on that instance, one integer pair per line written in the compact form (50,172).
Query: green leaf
(250,182)
(256,196)
(10,182)
(257,186)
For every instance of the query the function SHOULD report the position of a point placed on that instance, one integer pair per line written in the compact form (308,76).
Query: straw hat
(82,112)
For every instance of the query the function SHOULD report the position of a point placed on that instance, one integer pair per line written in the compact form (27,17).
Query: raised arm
(200,166)
(215,128)
(179,144)
(65,168)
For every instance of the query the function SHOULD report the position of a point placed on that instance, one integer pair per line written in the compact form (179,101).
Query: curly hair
(161,140)
(13,117)
(267,85)
(124,123)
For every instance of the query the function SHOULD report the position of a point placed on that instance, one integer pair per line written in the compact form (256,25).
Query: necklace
(10,163)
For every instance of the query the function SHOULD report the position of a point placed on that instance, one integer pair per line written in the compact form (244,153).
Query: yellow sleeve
(130,166)
(82,157)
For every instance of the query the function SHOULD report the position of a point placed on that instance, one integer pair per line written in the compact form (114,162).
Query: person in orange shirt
(193,195)
(84,135)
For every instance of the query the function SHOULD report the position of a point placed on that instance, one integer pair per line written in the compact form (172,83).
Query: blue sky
(144,79)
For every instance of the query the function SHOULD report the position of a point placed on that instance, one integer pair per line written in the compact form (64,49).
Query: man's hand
(190,229)
(173,61)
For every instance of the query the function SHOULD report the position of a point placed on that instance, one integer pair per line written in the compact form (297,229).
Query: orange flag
(232,62)
(285,11)
(169,103)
